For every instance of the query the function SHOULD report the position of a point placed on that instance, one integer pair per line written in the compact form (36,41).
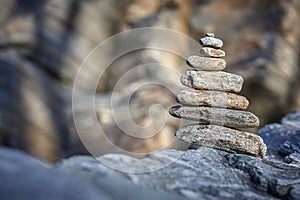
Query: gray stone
(292,119)
(277,178)
(218,116)
(191,97)
(205,63)
(283,140)
(218,80)
(293,158)
(25,178)
(223,138)
(211,42)
(204,173)
(211,52)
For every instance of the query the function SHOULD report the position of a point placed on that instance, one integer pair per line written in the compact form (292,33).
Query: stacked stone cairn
(212,102)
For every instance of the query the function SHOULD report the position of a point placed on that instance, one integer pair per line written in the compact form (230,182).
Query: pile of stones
(212,102)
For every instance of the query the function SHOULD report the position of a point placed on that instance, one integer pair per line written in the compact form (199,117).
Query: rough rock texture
(221,81)
(200,174)
(223,138)
(292,119)
(278,179)
(283,140)
(192,97)
(219,116)
(204,173)
(211,42)
(205,63)
(211,52)
(25,178)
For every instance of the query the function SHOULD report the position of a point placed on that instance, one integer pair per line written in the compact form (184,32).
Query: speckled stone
(211,42)
(211,52)
(223,138)
(218,116)
(205,63)
(191,97)
(216,80)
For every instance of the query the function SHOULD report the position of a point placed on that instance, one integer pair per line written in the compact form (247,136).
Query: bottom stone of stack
(223,138)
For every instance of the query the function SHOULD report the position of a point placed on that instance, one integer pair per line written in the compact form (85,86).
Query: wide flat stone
(206,63)
(211,52)
(191,97)
(218,116)
(223,138)
(217,80)
(211,42)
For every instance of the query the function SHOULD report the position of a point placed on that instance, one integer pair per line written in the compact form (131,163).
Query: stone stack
(211,100)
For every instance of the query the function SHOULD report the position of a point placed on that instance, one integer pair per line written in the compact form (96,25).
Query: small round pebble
(211,42)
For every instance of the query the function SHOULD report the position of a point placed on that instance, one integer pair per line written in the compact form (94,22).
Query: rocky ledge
(203,173)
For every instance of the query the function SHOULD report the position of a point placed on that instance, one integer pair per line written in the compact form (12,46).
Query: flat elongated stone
(211,42)
(191,97)
(217,80)
(211,52)
(223,138)
(205,63)
(219,116)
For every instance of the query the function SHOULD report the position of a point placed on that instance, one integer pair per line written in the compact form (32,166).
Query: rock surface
(211,52)
(292,119)
(192,97)
(25,178)
(200,174)
(223,138)
(211,42)
(204,173)
(283,140)
(219,116)
(220,81)
(205,63)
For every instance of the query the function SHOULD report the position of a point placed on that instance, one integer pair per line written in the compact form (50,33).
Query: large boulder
(203,173)
(26,178)
(283,139)
(208,173)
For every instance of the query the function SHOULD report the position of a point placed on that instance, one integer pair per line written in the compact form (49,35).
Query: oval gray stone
(216,80)
(223,138)
(218,116)
(211,52)
(191,97)
(206,63)
(211,42)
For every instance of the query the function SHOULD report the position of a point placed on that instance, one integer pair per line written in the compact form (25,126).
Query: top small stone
(211,42)
(210,34)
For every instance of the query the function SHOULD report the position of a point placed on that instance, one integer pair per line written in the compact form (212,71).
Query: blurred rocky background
(44,42)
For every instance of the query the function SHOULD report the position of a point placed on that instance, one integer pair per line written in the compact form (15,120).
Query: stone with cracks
(223,138)
(191,97)
(221,81)
(219,116)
